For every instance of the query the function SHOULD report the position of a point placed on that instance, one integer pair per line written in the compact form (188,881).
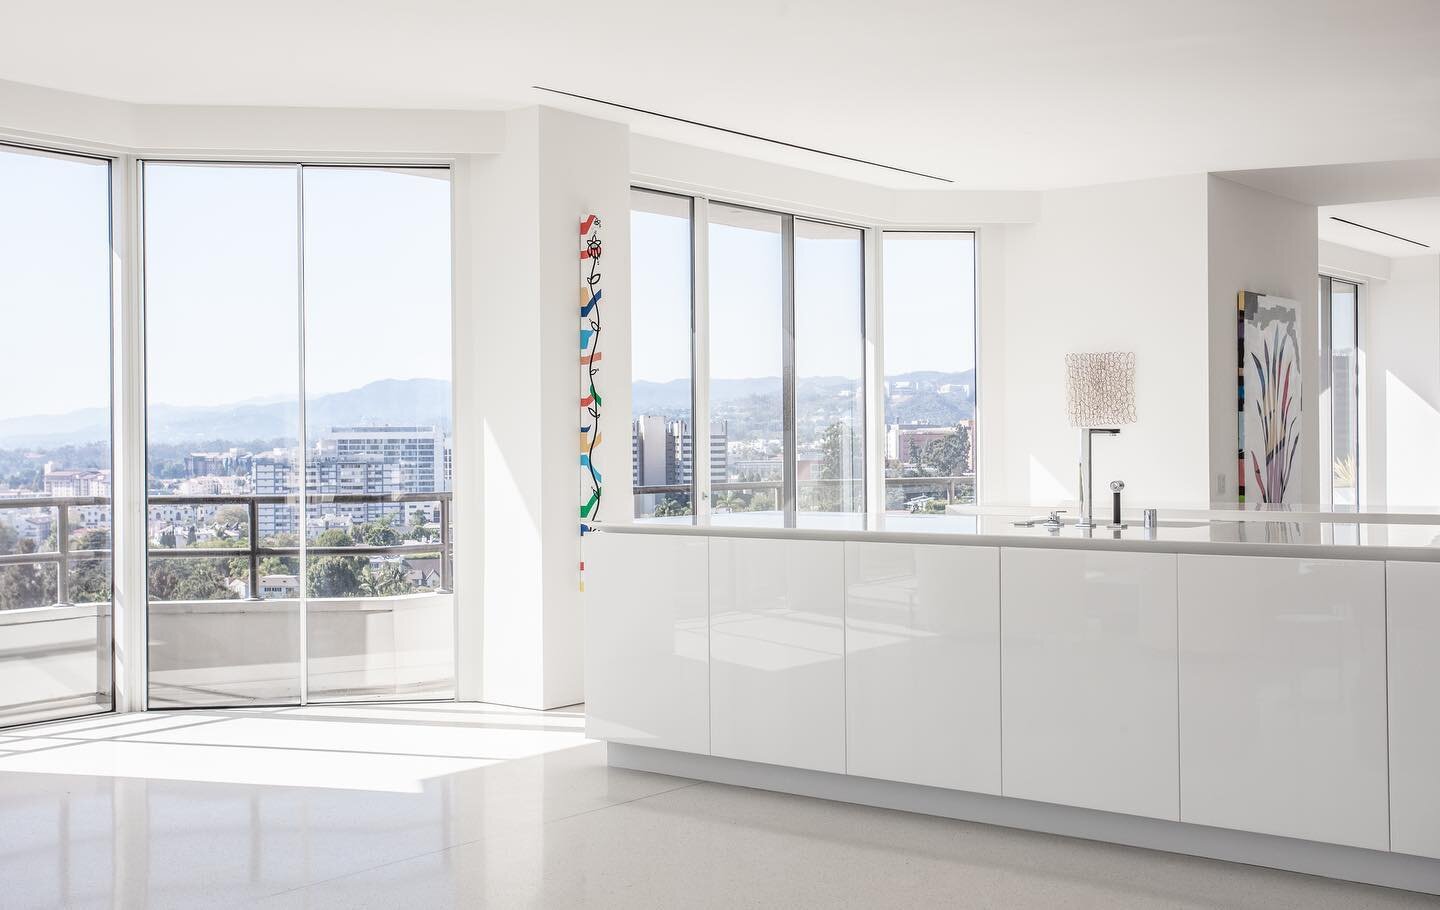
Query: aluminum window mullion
(129,494)
(787,394)
(304,430)
(700,356)
(873,378)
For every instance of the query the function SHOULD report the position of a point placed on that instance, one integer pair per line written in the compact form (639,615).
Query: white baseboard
(1392,870)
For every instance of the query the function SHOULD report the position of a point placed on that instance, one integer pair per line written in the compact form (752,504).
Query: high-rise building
(683,446)
(662,452)
(652,452)
(419,450)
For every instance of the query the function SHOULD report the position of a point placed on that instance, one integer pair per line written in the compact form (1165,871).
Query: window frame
(1326,304)
(975,320)
(872,406)
(301,498)
(114,210)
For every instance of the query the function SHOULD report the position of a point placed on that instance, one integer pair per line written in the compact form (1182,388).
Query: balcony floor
(439,805)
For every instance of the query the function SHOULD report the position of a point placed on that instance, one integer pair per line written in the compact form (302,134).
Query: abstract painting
(1269,401)
(591,484)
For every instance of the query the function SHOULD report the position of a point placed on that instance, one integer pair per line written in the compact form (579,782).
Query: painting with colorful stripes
(591,483)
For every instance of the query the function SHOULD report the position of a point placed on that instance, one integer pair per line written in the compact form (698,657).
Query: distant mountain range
(727,394)
(427,401)
(420,401)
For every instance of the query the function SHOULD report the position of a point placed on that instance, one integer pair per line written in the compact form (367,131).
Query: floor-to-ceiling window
(777,312)
(746,335)
(1340,346)
(55,455)
(829,367)
(298,432)
(661,366)
(929,328)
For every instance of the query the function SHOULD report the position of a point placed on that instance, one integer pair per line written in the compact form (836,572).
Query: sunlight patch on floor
(394,748)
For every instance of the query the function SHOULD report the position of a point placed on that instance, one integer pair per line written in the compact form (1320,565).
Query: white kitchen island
(1260,691)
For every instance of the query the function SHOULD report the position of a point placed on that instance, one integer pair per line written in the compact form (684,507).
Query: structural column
(517,474)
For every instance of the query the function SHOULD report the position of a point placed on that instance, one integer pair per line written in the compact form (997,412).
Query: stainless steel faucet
(1087,498)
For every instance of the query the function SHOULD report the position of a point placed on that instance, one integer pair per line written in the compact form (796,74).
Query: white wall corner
(1257,241)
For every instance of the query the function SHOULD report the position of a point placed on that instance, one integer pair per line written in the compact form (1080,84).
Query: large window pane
(1344,392)
(930,444)
(222,373)
(661,308)
(380,622)
(746,355)
(55,466)
(829,368)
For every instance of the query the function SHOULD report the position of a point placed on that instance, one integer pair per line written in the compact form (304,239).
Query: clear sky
(222,278)
(221,281)
(54,283)
(929,299)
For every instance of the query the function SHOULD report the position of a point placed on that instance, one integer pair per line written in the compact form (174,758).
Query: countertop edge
(1123,545)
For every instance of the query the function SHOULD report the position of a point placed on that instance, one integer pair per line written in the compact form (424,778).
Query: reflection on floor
(445,805)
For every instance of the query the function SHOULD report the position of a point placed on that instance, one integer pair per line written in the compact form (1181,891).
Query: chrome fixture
(1115,523)
(1152,519)
(1053,523)
(1087,497)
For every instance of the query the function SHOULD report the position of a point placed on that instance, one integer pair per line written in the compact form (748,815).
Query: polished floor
(445,805)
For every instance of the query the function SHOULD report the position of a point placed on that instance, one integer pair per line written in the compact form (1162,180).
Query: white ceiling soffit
(1395,229)
(1340,184)
(991,95)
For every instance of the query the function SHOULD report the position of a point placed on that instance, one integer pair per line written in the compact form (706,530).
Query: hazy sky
(929,300)
(222,301)
(54,283)
(222,277)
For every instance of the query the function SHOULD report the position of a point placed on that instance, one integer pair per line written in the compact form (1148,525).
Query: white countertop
(1244,534)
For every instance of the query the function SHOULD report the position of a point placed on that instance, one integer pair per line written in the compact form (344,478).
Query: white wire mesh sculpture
(1100,388)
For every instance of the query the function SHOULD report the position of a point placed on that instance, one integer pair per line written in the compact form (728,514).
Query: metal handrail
(63,556)
(816,481)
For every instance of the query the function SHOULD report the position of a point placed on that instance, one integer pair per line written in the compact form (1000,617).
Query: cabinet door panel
(1088,667)
(777,651)
(1282,697)
(646,650)
(922,664)
(1413,618)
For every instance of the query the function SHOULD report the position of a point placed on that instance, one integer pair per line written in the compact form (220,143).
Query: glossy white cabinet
(777,651)
(1282,697)
(1413,621)
(922,664)
(646,649)
(1088,679)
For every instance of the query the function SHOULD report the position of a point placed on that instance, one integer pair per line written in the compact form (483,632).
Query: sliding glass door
(55,464)
(297,360)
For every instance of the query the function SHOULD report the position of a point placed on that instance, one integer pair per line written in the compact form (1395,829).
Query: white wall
(520,542)
(1263,243)
(1400,341)
(1120,267)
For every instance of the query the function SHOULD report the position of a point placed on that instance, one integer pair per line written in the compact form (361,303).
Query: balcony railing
(251,550)
(949,483)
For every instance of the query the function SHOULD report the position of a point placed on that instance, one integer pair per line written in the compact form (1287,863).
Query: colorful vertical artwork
(591,483)
(1269,398)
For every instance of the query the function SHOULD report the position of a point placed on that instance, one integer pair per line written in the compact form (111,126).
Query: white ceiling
(1003,95)
(1416,219)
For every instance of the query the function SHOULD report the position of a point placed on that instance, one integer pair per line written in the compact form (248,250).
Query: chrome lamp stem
(1087,497)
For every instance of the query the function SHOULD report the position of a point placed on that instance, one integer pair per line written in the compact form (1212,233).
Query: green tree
(26,584)
(334,576)
(387,581)
(378,533)
(417,530)
(948,455)
(232,516)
